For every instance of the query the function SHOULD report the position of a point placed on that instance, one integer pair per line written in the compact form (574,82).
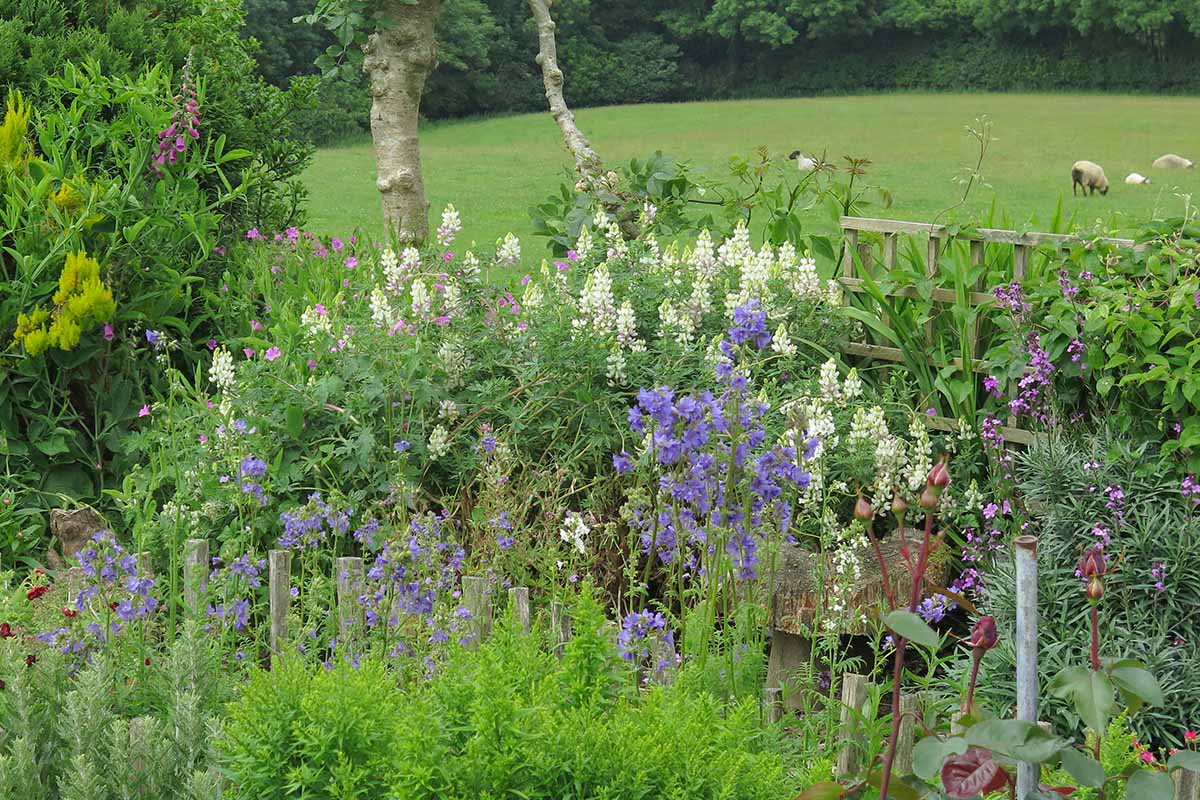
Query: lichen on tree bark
(398,59)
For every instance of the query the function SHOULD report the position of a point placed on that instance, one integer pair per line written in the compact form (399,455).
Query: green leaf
(295,421)
(1084,769)
(911,627)
(825,790)
(1185,759)
(1134,680)
(1016,739)
(1150,785)
(931,752)
(1092,694)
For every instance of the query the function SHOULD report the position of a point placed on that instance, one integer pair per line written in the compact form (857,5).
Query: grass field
(494,170)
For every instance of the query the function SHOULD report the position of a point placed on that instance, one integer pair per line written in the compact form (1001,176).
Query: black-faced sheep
(1088,176)
(805,163)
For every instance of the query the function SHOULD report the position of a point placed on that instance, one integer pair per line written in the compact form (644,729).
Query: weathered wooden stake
(279,564)
(662,656)
(145,565)
(1187,784)
(889,251)
(560,627)
(519,597)
(195,573)
(349,589)
(850,732)
(479,603)
(910,706)
(772,704)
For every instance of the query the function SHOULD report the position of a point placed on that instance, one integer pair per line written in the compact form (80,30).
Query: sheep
(1172,161)
(1088,176)
(1136,177)
(803,162)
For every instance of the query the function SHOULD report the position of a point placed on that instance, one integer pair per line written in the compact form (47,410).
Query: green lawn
(495,169)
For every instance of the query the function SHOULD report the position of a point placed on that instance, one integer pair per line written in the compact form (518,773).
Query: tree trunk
(587,162)
(398,60)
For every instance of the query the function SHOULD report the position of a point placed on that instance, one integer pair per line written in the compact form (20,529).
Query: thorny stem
(918,576)
(883,570)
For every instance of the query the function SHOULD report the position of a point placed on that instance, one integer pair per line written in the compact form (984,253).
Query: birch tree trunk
(397,61)
(587,162)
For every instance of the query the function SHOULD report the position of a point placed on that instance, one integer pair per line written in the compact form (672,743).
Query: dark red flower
(113,606)
(36,592)
(147,662)
(70,613)
(30,660)
(6,631)
(3,686)
(984,635)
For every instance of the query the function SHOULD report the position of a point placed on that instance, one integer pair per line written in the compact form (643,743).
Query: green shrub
(323,733)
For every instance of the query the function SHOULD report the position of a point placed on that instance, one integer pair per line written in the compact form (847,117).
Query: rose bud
(1093,562)
(1095,588)
(863,510)
(899,507)
(929,498)
(939,476)
(983,635)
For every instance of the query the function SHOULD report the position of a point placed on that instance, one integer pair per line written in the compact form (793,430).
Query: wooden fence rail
(857,253)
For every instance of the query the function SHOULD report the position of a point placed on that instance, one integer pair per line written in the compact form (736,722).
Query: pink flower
(447,256)
(444,319)
(319,308)
(255,325)
(202,438)
(249,351)
(572,255)
(525,280)
(1190,736)
(145,411)
(272,353)
(336,244)
(312,364)
(1146,756)
(931,411)
(351,262)
(253,234)
(109,333)
(562,266)
(219,250)
(212,344)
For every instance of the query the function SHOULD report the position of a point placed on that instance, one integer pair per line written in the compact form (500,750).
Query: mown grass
(494,170)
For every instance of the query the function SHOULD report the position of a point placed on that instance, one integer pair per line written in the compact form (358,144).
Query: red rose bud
(6,631)
(863,510)
(36,592)
(939,476)
(983,635)
(929,498)
(899,507)
(1092,563)
(1095,588)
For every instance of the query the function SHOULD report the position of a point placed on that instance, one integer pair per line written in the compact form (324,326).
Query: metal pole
(1027,651)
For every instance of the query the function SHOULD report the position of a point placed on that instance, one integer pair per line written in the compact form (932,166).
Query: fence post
(195,572)
(1027,649)
(1187,784)
(910,707)
(519,597)
(479,604)
(279,565)
(560,625)
(349,589)
(889,251)
(1020,261)
(848,251)
(854,696)
(931,271)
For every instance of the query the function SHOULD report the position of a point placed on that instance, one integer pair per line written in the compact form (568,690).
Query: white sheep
(1136,178)
(1172,161)
(805,163)
(1088,176)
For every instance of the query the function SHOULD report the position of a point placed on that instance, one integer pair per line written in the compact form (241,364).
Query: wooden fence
(860,254)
